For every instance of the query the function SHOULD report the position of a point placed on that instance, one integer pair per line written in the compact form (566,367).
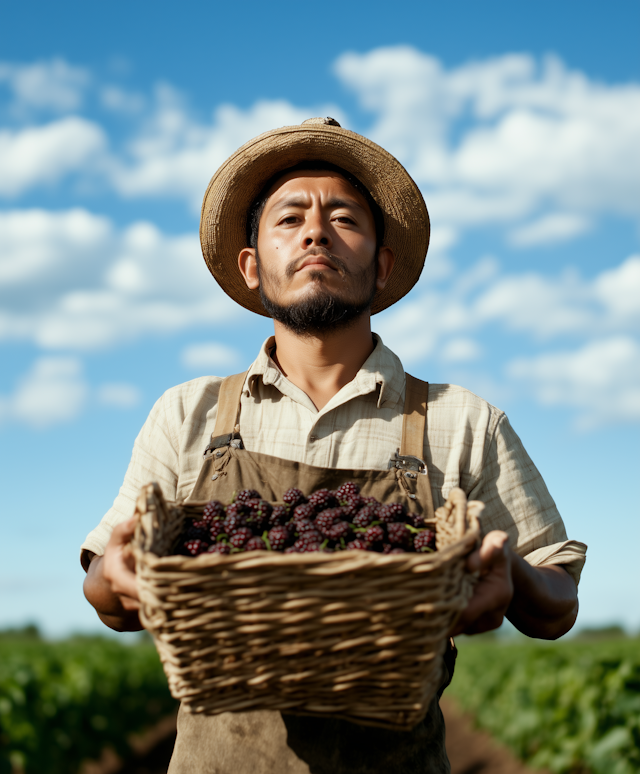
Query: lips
(316,260)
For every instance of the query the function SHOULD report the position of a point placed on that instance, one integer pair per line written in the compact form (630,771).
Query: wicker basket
(354,634)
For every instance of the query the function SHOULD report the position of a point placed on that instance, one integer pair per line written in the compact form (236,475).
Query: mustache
(339,264)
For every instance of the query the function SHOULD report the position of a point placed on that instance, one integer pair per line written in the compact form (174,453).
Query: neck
(322,364)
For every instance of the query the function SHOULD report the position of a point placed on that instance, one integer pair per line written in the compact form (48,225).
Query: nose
(316,232)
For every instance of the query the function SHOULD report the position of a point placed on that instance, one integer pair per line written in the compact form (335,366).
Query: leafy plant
(61,703)
(567,706)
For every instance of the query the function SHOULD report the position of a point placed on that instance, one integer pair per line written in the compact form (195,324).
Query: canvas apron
(268,742)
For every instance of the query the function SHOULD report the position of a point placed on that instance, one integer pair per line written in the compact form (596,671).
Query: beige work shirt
(468,443)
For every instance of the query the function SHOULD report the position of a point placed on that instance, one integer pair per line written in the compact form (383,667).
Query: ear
(386,259)
(249,267)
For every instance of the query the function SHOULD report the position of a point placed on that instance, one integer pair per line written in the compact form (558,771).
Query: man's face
(316,252)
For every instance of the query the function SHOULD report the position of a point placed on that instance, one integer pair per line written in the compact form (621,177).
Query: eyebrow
(333,203)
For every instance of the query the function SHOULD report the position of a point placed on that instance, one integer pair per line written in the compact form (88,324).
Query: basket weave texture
(352,634)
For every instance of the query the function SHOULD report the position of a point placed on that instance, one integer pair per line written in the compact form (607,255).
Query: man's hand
(539,601)
(110,585)
(494,590)
(118,565)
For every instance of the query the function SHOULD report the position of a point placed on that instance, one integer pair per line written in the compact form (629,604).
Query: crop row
(63,702)
(568,706)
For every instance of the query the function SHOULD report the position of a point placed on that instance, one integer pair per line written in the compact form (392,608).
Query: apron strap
(415,417)
(229,404)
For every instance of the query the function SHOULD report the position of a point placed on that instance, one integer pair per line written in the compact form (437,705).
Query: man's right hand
(110,585)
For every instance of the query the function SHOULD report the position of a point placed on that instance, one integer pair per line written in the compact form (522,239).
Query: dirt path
(470,751)
(475,752)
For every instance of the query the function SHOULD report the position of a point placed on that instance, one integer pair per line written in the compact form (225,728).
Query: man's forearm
(108,605)
(545,600)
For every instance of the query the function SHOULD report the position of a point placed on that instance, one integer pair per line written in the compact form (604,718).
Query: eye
(288,220)
(345,219)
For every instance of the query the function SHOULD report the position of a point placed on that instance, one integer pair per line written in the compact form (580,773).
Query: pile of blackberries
(337,520)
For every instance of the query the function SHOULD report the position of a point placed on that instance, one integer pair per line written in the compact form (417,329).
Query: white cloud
(546,306)
(174,155)
(209,355)
(118,395)
(500,139)
(619,290)
(71,280)
(540,306)
(44,154)
(550,229)
(54,85)
(602,379)
(460,350)
(122,101)
(55,391)
(52,392)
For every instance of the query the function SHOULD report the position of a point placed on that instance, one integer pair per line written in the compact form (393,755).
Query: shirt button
(313,438)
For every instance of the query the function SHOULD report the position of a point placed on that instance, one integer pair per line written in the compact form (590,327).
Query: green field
(61,703)
(570,706)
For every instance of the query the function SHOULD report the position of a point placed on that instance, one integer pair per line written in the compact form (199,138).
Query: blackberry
(387,548)
(216,528)
(357,545)
(201,524)
(236,517)
(351,505)
(279,515)
(397,550)
(307,543)
(255,544)
(219,548)
(370,501)
(322,499)
(213,511)
(325,520)
(194,547)
(240,537)
(259,515)
(340,529)
(392,512)
(305,525)
(399,535)
(425,541)
(237,509)
(416,520)
(279,538)
(293,497)
(365,515)
(247,494)
(347,491)
(305,511)
(374,535)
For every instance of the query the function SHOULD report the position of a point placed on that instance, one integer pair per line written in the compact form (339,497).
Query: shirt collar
(382,371)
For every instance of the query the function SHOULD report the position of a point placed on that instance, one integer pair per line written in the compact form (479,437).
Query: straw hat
(241,178)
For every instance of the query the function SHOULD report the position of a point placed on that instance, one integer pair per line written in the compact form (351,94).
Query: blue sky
(520,123)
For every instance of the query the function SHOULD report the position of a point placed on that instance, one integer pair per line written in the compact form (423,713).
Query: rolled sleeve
(154,458)
(518,502)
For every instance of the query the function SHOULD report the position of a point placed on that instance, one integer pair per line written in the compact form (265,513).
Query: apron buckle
(407,462)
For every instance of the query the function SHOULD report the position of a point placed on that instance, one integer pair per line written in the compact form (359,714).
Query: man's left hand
(494,590)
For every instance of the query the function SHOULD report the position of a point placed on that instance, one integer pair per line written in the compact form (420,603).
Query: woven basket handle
(152,519)
(461,516)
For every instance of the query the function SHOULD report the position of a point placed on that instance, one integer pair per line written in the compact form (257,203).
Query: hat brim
(240,179)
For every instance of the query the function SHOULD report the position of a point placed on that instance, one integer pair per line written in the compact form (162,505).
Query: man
(319,228)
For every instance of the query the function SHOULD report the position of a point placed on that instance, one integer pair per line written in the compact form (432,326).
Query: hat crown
(328,121)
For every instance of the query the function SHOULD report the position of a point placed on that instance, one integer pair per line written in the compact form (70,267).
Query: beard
(321,310)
